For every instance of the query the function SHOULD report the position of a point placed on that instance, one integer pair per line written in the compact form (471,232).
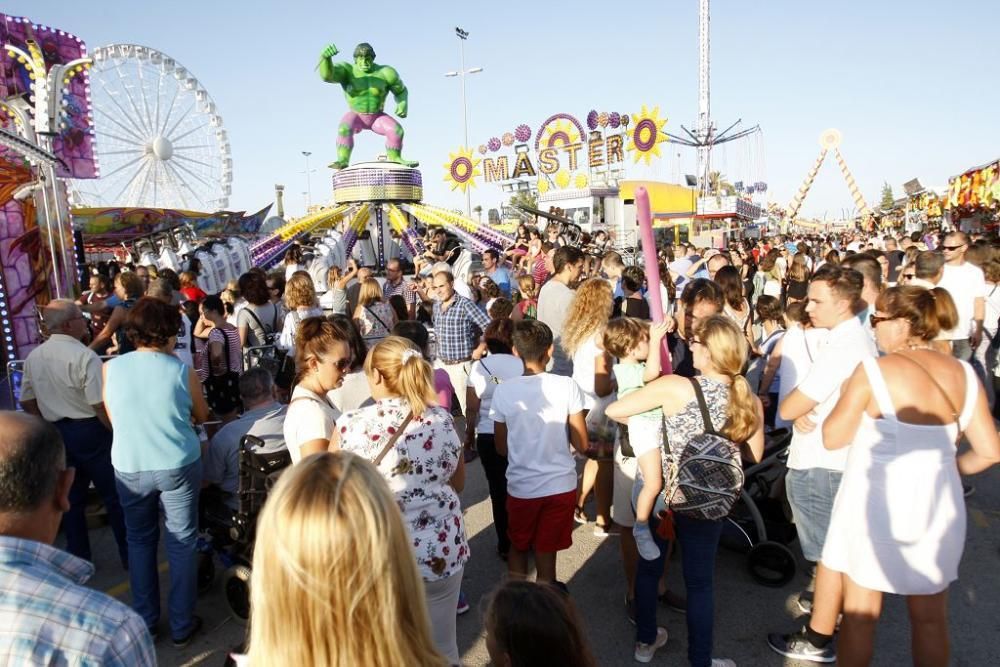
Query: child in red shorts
(531,414)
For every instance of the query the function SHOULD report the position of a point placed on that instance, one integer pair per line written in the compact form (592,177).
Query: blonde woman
(588,313)
(414,444)
(301,302)
(719,350)
(375,318)
(334,582)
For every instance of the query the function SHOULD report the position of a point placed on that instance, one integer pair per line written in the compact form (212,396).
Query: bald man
(47,615)
(62,384)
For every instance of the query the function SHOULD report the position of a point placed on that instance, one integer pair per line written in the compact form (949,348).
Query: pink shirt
(443,388)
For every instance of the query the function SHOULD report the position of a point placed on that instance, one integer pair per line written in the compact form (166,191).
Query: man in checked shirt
(47,615)
(458,327)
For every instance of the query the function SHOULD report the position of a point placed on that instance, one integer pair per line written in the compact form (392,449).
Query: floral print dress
(418,470)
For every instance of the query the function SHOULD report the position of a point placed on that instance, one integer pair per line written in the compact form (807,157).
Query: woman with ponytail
(414,445)
(898,523)
(719,350)
(323,357)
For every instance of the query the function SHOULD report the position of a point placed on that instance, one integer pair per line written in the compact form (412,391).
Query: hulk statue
(366,85)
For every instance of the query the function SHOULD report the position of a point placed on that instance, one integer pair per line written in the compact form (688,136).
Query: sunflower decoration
(580,181)
(647,134)
(462,169)
(562,179)
(560,133)
(543,186)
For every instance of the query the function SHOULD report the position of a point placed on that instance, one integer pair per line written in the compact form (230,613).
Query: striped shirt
(401,288)
(47,616)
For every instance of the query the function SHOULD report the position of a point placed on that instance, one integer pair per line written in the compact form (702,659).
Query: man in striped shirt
(47,615)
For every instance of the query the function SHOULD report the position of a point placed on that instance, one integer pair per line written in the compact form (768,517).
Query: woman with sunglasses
(413,443)
(323,357)
(898,522)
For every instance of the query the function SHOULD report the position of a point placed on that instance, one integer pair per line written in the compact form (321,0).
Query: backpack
(704,480)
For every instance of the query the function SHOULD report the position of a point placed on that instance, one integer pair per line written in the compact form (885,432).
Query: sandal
(579,515)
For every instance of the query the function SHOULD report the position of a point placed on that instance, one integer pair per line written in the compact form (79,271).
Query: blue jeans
(699,542)
(88,450)
(811,493)
(141,495)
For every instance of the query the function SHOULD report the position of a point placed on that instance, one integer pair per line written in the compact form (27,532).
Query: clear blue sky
(910,84)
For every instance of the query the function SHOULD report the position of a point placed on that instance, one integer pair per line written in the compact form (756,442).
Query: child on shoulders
(637,347)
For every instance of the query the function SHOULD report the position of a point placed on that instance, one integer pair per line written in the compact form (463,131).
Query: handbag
(705,479)
(223,391)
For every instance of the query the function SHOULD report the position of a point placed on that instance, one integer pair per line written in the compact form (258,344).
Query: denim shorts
(811,493)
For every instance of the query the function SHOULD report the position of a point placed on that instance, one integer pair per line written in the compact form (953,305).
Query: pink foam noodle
(649,258)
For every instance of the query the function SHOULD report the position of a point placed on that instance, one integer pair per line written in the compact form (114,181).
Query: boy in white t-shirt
(536,418)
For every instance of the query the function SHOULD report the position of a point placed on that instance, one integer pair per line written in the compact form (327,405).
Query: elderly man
(62,384)
(263,417)
(47,615)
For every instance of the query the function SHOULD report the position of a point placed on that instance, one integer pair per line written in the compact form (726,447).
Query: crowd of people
(549,366)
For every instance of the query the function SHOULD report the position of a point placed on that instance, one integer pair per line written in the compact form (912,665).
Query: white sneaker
(723,662)
(645,652)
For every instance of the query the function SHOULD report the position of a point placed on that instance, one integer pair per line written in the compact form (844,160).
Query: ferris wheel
(158,139)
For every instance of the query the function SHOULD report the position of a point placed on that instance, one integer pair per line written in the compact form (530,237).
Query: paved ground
(745,611)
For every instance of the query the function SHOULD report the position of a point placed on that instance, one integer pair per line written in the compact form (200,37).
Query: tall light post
(461,74)
(308,192)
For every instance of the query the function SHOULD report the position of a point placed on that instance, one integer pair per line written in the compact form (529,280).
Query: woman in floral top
(424,468)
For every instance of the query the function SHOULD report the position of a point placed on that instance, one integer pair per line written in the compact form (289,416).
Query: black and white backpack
(705,479)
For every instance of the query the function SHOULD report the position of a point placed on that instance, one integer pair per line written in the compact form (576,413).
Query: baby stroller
(231,534)
(758,525)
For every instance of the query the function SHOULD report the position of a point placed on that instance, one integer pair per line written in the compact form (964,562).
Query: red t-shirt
(193,294)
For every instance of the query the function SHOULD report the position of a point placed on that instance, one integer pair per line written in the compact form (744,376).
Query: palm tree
(478,210)
(718,185)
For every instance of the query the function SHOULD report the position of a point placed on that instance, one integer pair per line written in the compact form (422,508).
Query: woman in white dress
(898,522)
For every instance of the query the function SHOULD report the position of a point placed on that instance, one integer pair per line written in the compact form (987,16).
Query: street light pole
(461,73)
(308,192)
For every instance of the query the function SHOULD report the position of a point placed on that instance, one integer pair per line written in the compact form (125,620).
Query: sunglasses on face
(875,320)
(342,365)
(909,276)
(952,248)
(694,341)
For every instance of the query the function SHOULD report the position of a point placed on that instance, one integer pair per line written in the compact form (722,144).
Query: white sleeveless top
(898,522)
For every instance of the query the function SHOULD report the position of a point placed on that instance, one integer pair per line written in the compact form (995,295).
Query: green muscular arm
(398,90)
(330,71)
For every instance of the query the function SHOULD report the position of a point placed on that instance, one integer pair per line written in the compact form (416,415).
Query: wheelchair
(230,534)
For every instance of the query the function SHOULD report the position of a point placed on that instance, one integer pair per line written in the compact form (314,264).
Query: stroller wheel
(771,564)
(206,572)
(236,584)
